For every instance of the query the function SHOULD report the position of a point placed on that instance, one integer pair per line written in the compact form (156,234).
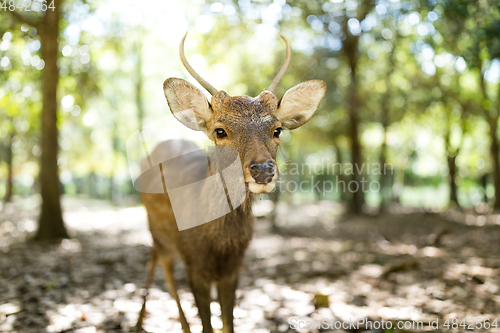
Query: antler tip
(284,68)
(191,71)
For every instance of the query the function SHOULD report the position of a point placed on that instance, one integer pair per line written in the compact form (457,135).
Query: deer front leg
(201,291)
(226,289)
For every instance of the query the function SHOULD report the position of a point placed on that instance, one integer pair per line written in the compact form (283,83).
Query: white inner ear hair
(188,118)
(299,103)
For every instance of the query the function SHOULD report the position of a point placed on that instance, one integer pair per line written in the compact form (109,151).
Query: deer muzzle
(262,173)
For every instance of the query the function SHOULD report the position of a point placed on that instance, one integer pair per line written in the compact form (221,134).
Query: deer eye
(220,133)
(277,132)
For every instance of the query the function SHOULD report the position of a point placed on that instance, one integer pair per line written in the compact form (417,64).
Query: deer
(212,253)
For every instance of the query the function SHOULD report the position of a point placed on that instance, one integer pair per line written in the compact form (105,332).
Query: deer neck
(233,231)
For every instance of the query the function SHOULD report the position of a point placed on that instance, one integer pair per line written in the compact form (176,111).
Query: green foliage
(419,69)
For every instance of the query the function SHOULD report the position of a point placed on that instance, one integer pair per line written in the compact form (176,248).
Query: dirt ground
(407,268)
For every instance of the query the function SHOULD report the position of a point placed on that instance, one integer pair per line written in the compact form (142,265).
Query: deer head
(251,125)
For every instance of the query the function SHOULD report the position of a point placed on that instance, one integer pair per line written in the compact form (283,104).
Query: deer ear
(300,103)
(187,103)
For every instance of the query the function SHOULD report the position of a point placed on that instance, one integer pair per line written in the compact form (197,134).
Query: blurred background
(413,86)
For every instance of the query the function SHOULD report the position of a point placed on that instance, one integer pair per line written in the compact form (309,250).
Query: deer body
(213,252)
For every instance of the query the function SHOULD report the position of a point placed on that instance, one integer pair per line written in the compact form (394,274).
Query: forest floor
(407,267)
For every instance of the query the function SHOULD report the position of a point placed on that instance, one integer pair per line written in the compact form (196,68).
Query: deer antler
(284,68)
(191,71)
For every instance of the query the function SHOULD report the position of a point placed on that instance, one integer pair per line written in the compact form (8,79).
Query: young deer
(213,252)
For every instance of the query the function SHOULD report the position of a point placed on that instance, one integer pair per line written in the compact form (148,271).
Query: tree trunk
(495,152)
(384,183)
(340,178)
(385,187)
(357,199)
(492,117)
(451,157)
(351,53)
(484,184)
(51,225)
(495,159)
(274,197)
(452,167)
(398,184)
(8,184)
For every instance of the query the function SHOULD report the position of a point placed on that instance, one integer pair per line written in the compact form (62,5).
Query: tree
(340,27)
(19,107)
(9,182)
(473,35)
(351,55)
(51,224)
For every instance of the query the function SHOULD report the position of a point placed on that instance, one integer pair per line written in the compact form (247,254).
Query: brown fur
(213,252)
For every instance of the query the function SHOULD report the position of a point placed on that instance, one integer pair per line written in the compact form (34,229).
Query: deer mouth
(258,188)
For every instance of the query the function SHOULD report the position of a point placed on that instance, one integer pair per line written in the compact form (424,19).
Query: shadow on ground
(320,266)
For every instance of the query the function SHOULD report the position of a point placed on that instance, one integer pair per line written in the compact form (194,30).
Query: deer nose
(262,173)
